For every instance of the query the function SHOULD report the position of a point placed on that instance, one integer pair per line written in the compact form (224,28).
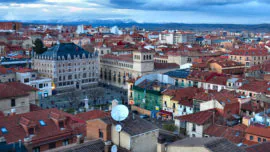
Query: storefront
(166,115)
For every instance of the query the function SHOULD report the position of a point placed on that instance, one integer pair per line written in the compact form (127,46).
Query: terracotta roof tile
(94,114)
(261,147)
(166,65)
(42,133)
(259,131)
(7,91)
(199,117)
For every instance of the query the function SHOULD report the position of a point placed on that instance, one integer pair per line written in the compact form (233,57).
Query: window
(193,127)
(26,80)
(52,145)
(65,142)
(13,103)
(259,139)
(42,123)
(33,75)
(36,149)
(264,140)
(100,133)
(61,124)
(250,137)
(31,131)
(173,105)
(4,130)
(40,85)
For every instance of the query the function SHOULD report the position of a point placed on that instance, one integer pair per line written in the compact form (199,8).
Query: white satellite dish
(119,112)
(118,127)
(114,148)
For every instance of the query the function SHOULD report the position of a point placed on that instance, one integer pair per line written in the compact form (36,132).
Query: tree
(39,47)
(169,127)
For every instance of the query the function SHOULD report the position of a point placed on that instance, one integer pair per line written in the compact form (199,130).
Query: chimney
(108,145)
(133,116)
(20,144)
(79,139)
(13,112)
(213,117)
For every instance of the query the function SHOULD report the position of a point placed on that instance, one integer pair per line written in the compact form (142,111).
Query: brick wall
(93,128)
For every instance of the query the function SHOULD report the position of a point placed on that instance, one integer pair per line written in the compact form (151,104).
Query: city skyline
(152,11)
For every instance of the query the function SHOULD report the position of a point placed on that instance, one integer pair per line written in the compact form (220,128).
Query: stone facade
(117,70)
(69,66)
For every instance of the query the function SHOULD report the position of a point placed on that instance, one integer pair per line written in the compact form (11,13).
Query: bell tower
(143,60)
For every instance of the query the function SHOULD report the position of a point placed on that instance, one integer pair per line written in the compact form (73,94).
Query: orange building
(10,26)
(256,134)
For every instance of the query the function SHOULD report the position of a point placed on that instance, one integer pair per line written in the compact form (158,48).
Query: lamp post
(86,106)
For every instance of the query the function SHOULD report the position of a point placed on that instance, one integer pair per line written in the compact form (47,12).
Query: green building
(153,98)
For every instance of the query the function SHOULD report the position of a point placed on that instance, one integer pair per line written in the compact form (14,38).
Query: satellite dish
(118,127)
(119,112)
(114,148)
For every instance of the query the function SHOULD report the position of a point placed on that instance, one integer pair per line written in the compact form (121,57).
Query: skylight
(4,130)
(237,133)
(42,123)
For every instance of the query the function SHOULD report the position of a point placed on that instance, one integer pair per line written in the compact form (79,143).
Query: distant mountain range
(159,26)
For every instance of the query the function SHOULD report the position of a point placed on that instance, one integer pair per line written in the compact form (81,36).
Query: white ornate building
(117,69)
(69,66)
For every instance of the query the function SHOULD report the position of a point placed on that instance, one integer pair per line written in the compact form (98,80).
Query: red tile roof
(203,96)
(250,52)
(21,86)
(45,133)
(259,131)
(261,147)
(227,63)
(256,86)
(199,117)
(4,70)
(15,89)
(7,91)
(166,65)
(217,79)
(94,114)
(215,130)
(34,107)
(127,58)
(23,70)
(223,96)
(235,134)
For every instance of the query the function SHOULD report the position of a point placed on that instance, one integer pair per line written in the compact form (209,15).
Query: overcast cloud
(181,11)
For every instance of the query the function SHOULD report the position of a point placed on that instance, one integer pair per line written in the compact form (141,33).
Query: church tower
(143,60)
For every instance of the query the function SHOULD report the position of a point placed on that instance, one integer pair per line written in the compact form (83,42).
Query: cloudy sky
(181,11)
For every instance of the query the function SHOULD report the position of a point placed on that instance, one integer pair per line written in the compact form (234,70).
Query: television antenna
(114,148)
(119,113)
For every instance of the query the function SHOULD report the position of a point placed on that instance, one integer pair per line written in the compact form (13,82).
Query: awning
(163,112)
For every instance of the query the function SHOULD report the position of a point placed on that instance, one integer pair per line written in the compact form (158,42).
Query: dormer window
(31,131)
(61,124)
